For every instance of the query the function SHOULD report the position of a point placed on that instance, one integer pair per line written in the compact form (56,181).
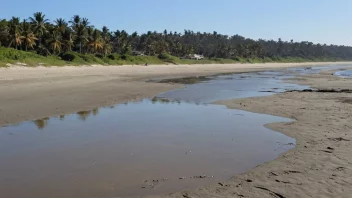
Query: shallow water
(173,142)
(114,151)
(317,69)
(344,73)
(225,87)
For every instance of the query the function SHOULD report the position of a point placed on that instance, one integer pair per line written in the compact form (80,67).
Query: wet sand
(320,166)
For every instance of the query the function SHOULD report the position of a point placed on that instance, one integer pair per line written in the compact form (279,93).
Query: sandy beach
(34,93)
(319,166)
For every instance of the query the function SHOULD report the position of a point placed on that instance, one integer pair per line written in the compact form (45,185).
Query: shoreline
(22,66)
(35,93)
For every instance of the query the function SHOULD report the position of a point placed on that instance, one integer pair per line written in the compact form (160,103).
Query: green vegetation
(30,58)
(12,56)
(37,41)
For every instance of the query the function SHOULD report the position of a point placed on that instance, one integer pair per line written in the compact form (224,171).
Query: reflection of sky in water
(317,69)
(154,135)
(226,87)
(344,74)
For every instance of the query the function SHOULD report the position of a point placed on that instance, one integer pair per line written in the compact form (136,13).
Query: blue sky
(324,21)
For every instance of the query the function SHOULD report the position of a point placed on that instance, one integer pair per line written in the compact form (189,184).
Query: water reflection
(41,123)
(82,115)
(161,100)
(344,73)
(95,111)
(187,80)
(62,117)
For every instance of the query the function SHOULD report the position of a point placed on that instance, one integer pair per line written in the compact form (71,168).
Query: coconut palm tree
(106,37)
(80,27)
(16,40)
(120,40)
(15,32)
(61,25)
(67,40)
(55,41)
(39,24)
(86,23)
(4,31)
(106,34)
(75,22)
(107,48)
(28,36)
(90,31)
(96,43)
(81,36)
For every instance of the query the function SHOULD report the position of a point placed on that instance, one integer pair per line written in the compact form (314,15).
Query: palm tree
(4,31)
(120,40)
(75,21)
(80,26)
(67,40)
(39,24)
(81,36)
(90,31)
(86,23)
(55,41)
(106,34)
(61,25)
(28,36)
(96,43)
(107,47)
(16,39)
(161,46)
(15,32)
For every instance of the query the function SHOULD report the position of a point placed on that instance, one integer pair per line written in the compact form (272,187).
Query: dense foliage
(77,35)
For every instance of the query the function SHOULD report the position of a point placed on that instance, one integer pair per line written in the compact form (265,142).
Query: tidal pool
(176,141)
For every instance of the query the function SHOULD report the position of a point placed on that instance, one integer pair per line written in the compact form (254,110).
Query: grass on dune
(13,56)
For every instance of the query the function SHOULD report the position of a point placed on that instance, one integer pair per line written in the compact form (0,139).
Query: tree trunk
(39,40)
(10,44)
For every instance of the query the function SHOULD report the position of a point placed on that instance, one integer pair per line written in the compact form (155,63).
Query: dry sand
(320,165)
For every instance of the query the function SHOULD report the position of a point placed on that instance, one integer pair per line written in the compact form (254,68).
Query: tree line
(60,36)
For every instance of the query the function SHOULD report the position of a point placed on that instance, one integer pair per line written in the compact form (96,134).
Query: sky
(322,21)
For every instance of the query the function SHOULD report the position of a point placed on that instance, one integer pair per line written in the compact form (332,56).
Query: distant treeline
(62,36)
